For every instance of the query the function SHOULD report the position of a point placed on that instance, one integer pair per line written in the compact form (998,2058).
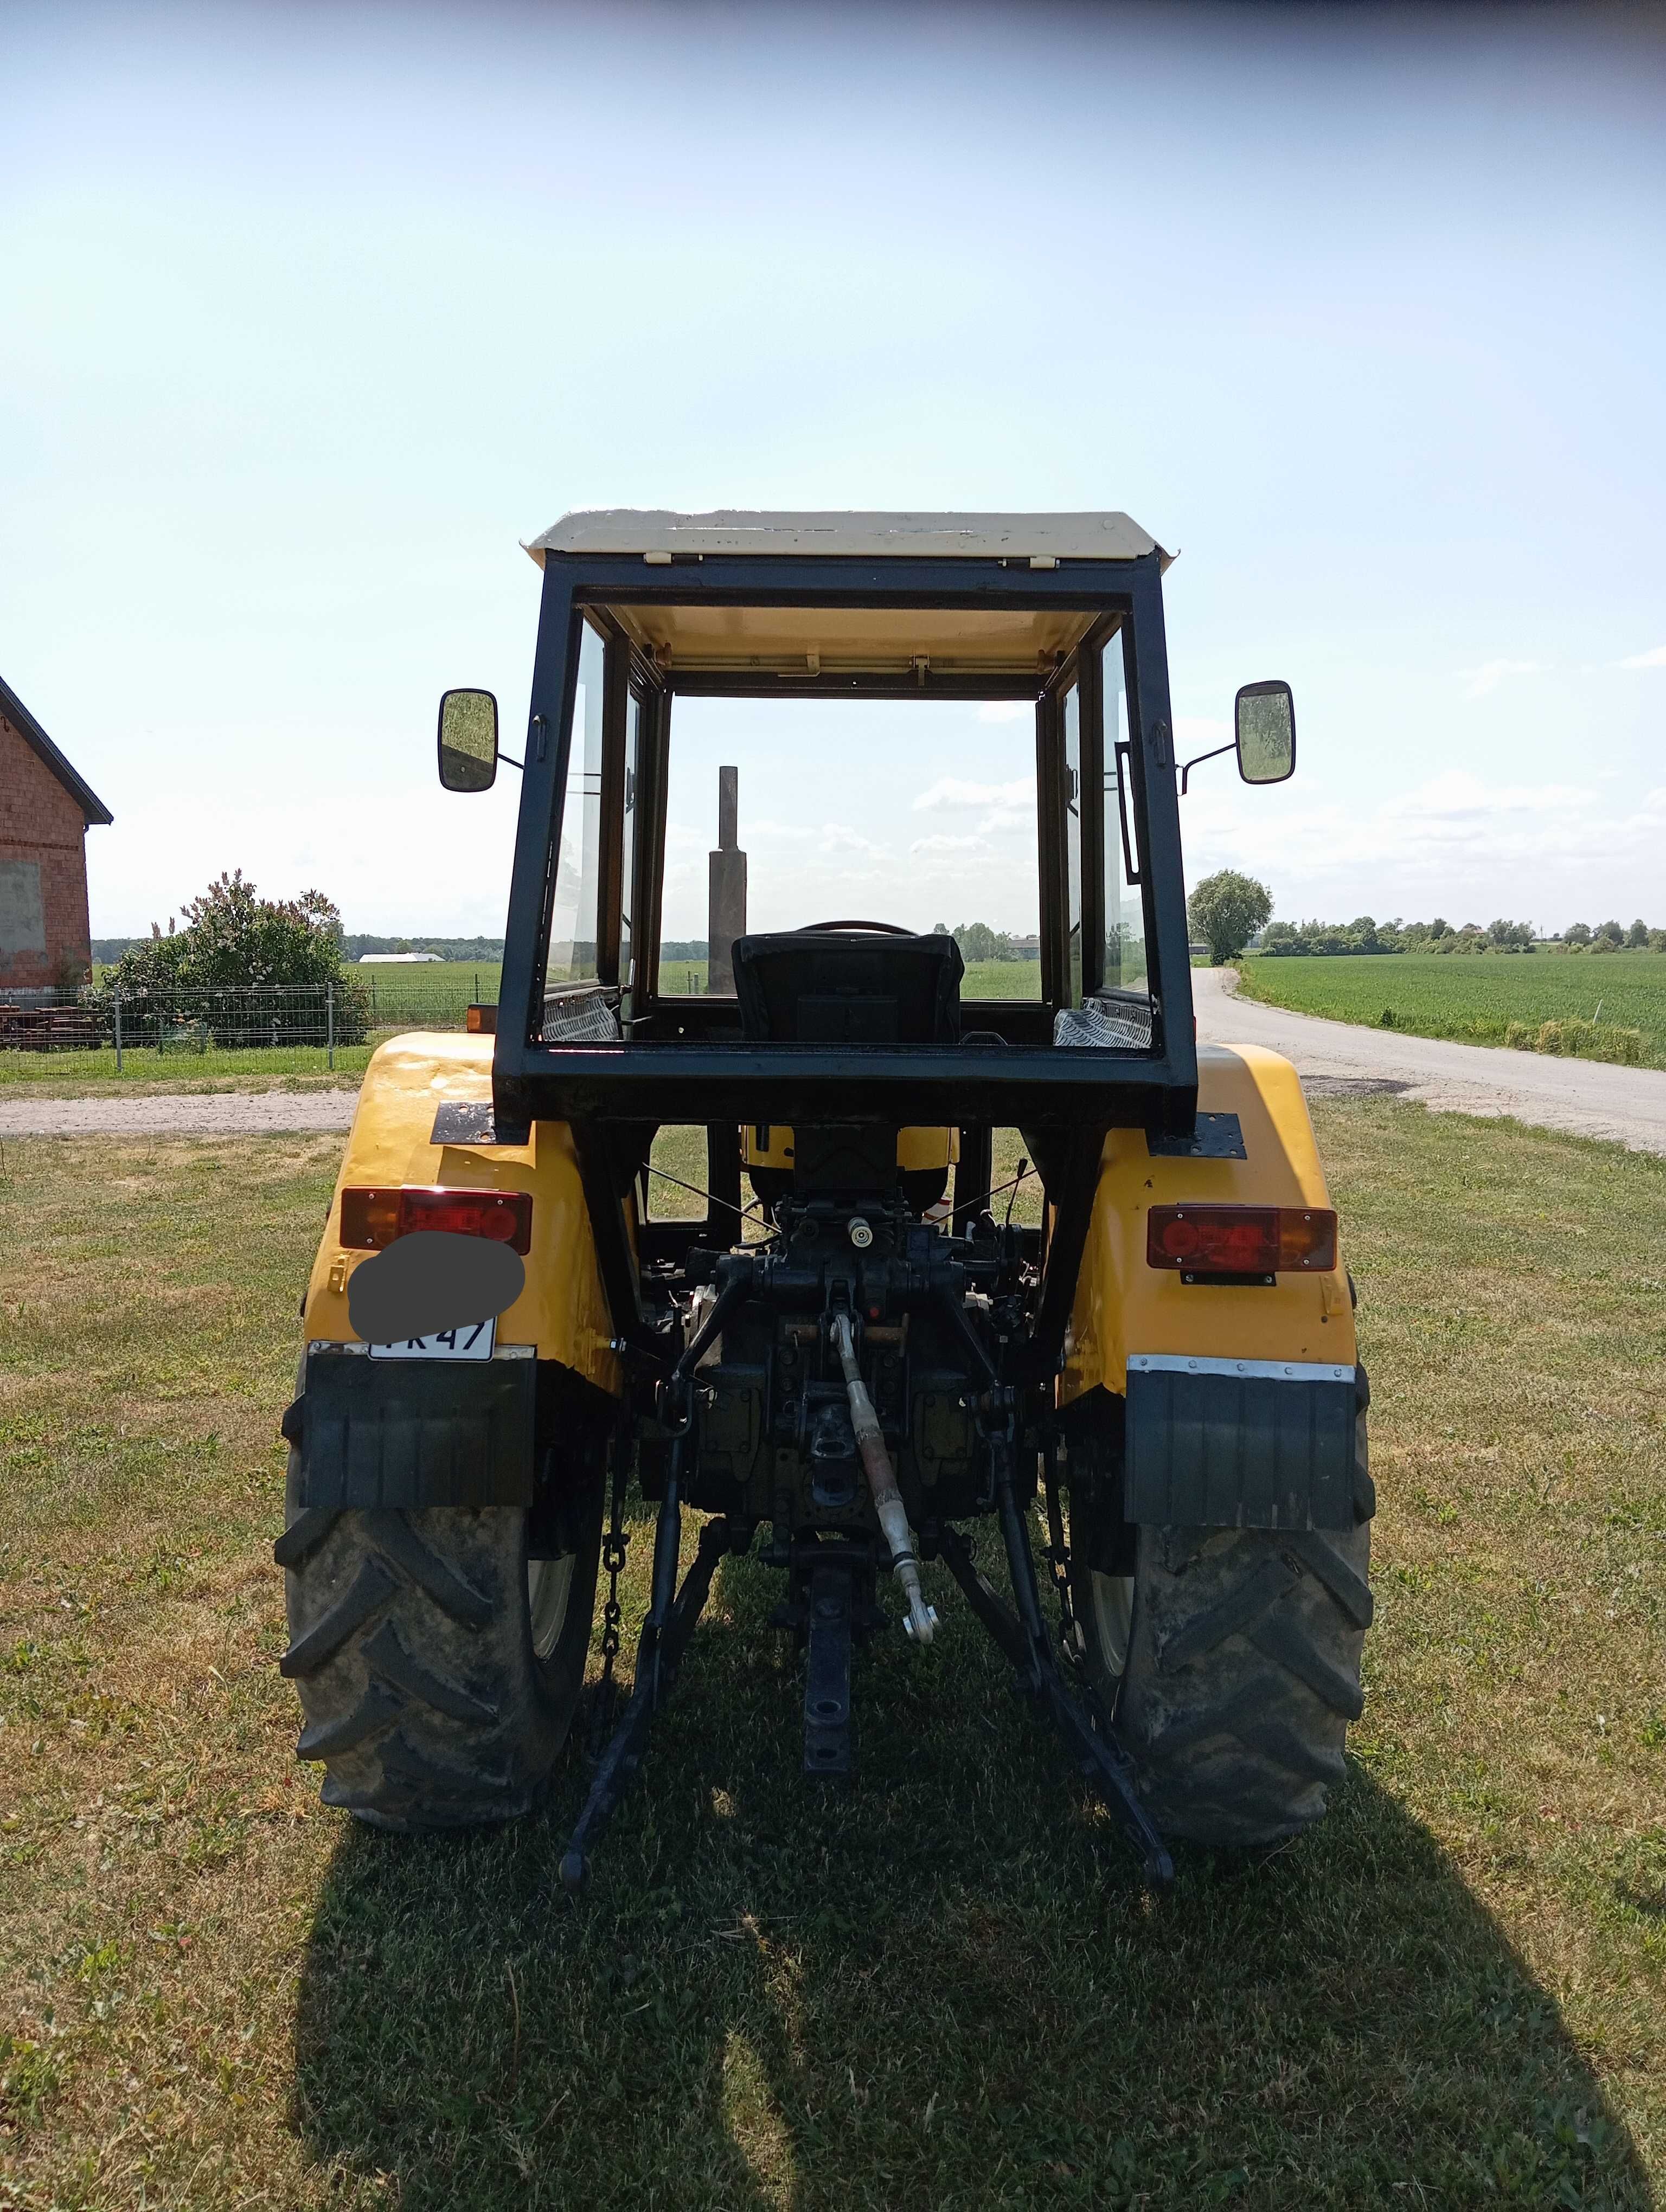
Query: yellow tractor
(855,1356)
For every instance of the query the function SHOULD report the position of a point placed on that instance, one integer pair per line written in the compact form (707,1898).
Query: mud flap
(410,1432)
(1239,1444)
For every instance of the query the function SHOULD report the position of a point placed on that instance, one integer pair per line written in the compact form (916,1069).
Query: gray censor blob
(432,1280)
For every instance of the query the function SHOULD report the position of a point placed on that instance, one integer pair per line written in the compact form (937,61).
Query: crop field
(944,1988)
(1472,998)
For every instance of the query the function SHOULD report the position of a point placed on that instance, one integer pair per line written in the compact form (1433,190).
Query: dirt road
(219,1114)
(1627,1105)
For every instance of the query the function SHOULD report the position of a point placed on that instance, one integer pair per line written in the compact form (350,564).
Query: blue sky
(312,313)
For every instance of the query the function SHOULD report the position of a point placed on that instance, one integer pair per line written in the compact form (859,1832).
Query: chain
(1058,1557)
(614,1546)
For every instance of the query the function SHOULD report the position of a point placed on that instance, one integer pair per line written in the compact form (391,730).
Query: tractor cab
(889,722)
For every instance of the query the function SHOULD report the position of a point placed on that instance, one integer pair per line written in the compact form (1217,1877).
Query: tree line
(1231,913)
(1364,934)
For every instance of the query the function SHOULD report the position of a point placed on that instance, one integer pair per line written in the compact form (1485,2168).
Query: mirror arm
(1199,761)
(512,762)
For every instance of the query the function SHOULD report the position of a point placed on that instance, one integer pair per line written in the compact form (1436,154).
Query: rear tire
(1241,1667)
(438,1667)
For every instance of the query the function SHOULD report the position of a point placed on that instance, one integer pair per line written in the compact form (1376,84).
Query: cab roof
(1039,537)
(707,639)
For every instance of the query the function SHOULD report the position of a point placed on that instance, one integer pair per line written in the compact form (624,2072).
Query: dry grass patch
(944,1988)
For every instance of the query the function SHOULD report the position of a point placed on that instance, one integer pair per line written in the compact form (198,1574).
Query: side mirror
(468,740)
(1264,721)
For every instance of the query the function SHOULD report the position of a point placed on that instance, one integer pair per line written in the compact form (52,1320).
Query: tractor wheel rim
(1113,1617)
(549,1586)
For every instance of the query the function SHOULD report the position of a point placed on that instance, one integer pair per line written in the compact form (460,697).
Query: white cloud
(1459,796)
(948,845)
(952,791)
(1655,658)
(1000,808)
(1007,710)
(830,836)
(1491,673)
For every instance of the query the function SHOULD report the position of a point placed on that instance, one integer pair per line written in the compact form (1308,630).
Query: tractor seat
(836,985)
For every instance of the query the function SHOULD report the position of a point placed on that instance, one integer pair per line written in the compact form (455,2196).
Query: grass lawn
(1472,997)
(71,1074)
(944,1989)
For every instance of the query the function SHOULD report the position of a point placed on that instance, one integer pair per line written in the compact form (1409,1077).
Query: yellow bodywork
(561,1311)
(763,1144)
(1122,1306)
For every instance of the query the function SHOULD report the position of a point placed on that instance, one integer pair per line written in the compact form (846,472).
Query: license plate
(474,1340)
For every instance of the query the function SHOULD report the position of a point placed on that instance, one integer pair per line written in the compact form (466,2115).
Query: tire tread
(412,1651)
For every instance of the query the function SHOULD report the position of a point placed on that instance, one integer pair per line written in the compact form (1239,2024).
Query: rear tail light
(481,1021)
(1242,1240)
(372,1219)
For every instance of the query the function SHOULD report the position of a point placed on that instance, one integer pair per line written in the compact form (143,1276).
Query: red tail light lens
(372,1219)
(1242,1240)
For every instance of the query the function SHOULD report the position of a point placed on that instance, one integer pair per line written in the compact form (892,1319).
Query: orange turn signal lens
(481,1021)
(371,1220)
(1242,1240)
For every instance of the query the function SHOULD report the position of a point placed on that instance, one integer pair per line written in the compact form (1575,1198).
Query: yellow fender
(563,1309)
(1124,1305)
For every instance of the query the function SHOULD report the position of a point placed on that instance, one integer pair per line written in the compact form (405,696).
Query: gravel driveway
(221,1114)
(1627,1105)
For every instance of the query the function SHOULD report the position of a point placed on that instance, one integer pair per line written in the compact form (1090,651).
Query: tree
(1225,910)
(1511,936)
(1609,932)
(977,941)
(235,942)
(1438,928)
(1576,932)
(1637,934)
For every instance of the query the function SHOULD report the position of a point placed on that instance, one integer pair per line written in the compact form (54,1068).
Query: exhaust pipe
(921,1620)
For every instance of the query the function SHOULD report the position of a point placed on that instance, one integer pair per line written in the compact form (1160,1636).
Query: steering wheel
(883,928)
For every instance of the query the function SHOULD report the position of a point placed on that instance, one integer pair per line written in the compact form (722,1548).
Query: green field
(942,1988)
(1469,997)
(462,979)
(984,979)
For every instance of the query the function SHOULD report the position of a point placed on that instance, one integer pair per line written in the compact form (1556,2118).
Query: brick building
(45,811)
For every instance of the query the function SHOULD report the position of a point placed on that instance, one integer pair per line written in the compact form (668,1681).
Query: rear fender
(561,1311)
(1123,1306)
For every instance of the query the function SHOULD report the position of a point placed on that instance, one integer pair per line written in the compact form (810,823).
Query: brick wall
(39,822)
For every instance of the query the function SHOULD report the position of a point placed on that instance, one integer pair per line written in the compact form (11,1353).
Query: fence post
(329,1019)
(117,996)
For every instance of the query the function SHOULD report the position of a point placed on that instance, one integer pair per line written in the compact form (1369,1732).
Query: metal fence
(194,1023)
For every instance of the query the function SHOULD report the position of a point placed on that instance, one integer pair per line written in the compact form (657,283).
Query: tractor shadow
(941,1986)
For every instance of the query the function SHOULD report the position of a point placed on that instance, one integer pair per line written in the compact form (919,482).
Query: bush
(248,970)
